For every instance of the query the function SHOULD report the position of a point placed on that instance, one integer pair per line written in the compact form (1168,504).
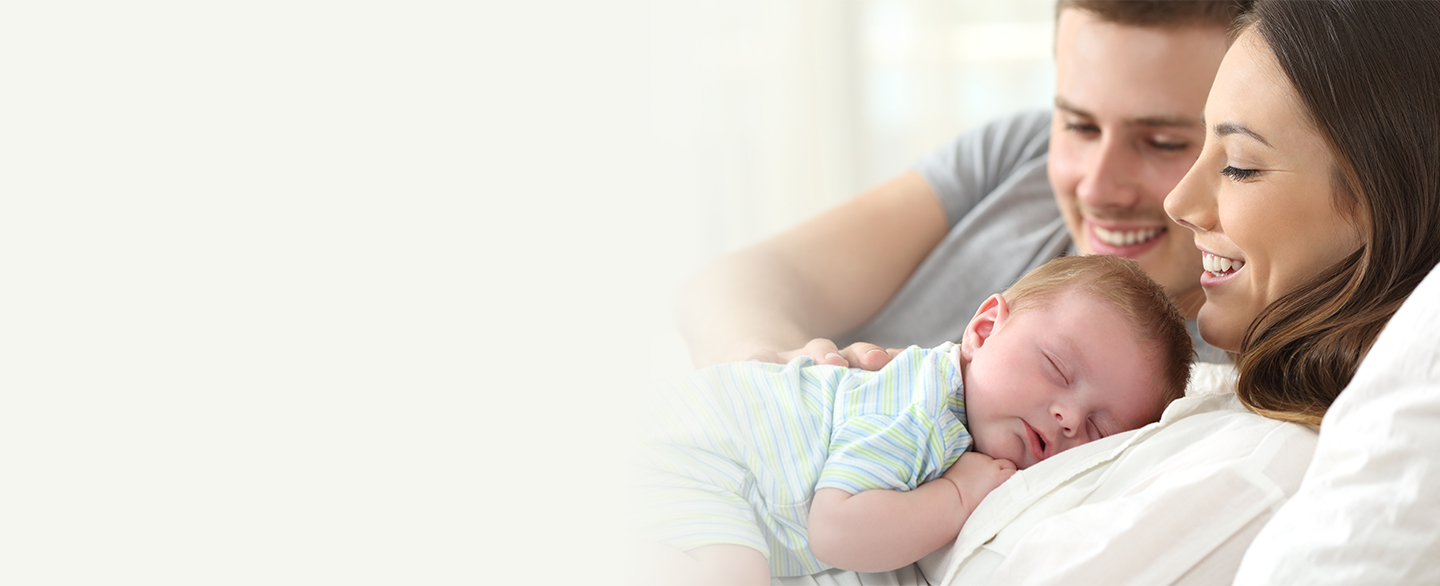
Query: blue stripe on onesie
(736,451)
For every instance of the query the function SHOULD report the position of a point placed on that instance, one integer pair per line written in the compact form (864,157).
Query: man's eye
(1238,174)
(1169,146)
(1082,128)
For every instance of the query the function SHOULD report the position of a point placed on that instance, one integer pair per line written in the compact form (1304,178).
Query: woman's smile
(1218,269)
(1260,199)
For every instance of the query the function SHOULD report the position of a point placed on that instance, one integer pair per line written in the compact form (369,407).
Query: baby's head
(1078,349)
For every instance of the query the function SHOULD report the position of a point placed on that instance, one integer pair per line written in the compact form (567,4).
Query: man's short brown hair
(1121,283)
(1159,13)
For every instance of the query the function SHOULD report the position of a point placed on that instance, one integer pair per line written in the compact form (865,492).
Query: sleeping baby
(753,470)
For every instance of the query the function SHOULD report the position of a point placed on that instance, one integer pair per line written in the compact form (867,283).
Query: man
(901,263)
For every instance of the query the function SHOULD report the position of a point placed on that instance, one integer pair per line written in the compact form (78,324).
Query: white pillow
(1368,511)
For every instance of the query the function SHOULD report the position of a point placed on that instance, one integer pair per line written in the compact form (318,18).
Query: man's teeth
(1126,237)
(1219,265)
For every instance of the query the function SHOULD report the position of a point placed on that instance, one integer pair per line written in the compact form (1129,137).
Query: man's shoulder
(1016,138)
(1026,125)
(971,167)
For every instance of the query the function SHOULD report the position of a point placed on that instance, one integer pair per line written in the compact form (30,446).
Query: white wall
(768,112)
(782,108)
(313,291)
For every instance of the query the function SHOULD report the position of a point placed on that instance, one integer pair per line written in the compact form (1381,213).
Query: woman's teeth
(1126,237)
(1219,265)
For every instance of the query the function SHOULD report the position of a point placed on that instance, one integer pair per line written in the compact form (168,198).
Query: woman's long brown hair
(1368,75)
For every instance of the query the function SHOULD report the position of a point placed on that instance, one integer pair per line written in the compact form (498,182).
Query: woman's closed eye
(1238,174)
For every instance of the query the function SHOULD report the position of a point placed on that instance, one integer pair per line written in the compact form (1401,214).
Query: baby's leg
(710,565)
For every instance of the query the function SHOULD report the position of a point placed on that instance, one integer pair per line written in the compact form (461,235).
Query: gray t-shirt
(1003,223)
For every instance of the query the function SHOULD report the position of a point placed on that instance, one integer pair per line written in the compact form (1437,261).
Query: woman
(1309,267)
(1316,201)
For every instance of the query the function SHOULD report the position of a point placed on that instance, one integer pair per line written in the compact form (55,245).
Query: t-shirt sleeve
(974,164)
(890,452)
(898,430)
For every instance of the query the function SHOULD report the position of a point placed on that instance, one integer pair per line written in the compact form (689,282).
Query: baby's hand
(976,474)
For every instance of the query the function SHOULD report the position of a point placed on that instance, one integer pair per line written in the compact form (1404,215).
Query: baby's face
(1056,377)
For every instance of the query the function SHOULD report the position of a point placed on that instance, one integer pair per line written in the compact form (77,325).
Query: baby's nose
(1067,426)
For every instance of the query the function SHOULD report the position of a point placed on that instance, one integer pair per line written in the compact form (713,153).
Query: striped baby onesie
(735,452)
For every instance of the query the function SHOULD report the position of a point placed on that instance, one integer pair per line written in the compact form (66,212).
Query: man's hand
(823,351)
(825,276)
(976,474)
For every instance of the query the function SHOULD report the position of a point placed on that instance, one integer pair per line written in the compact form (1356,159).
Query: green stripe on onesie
(736,451)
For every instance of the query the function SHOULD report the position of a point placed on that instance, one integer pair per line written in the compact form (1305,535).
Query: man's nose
(1109,181)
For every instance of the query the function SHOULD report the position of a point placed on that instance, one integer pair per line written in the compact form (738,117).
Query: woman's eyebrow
(1228,128)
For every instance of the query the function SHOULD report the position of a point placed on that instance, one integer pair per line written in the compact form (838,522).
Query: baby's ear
(988,320)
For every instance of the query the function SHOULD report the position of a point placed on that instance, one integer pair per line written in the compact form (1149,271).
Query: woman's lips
(1218,269)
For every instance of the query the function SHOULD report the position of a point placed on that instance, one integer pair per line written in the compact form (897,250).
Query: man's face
(1126,128)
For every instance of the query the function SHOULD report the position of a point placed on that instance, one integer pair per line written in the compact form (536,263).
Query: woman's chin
(1218,331)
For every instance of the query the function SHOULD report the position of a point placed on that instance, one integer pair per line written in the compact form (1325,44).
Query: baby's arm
(881,530)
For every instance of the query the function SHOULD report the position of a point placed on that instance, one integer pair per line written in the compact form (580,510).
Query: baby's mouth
(1219,265)
(1037,447)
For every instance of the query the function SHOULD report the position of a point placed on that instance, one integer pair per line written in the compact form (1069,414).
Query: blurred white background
(311,291)
(767,112)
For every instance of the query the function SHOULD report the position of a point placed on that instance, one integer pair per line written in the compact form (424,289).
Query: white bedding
(1109,491)
(1368,511)
(1125,511)
(1121,511)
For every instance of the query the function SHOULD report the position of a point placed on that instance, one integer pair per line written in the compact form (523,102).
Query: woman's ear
(988,320)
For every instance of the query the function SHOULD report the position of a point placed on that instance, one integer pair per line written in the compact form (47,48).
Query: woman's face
(1260,198)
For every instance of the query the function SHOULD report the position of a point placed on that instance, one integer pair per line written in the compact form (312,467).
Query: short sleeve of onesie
(899,427)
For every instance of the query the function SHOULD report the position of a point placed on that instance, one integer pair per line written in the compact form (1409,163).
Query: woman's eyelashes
(1238,174)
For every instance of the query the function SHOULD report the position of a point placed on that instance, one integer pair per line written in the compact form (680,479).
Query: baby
(756,470)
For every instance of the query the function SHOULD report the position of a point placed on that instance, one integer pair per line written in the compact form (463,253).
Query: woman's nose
(1192,203)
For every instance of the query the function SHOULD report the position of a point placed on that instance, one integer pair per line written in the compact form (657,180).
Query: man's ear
(988,320)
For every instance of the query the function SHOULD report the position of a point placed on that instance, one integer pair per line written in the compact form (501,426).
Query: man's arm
(820,279)
(880,530)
